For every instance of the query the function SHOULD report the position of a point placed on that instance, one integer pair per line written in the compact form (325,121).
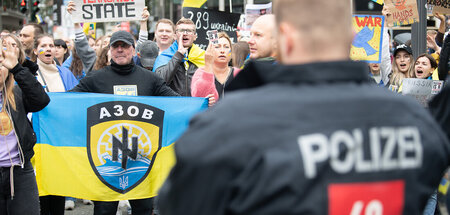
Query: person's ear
(286,41)
(35,52)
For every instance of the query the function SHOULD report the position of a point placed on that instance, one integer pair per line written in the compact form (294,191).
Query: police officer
(313,135)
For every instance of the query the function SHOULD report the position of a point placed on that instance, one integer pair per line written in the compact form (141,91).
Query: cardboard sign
(367,43)
(404,12)
(440,3)
(206,20)
(421,89)
(107,10)
(440,6)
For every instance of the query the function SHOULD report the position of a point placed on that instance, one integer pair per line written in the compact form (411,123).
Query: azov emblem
(123,139)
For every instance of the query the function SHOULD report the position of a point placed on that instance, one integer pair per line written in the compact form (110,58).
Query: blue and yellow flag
(106,147)
(196,56)
(193,3)
(90,26)
(379,1)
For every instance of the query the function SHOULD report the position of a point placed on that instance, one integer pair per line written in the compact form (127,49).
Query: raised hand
(181,48)
(209,58)
(71,7)
(10,58)
(145,15)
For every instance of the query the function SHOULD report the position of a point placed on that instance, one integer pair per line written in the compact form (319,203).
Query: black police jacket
(307,139)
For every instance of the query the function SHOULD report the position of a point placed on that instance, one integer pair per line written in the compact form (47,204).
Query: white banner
(422,89)
(107,10)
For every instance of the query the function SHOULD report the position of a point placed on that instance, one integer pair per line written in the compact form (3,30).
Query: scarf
(196,56)
(50,73)
(122,69)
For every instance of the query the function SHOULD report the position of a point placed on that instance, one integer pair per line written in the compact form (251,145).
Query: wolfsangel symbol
(123,139)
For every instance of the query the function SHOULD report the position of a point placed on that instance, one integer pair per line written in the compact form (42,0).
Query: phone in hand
(212,36)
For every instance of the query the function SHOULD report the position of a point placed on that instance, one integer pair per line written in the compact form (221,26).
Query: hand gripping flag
(106,147)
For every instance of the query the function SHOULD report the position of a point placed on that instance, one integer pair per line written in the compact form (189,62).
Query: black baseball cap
(123,36)
(402,47)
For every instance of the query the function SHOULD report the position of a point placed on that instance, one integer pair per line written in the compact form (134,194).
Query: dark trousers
(26,196)
(138,207)
(52,205)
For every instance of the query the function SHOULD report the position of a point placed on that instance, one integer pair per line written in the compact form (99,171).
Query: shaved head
(262,42)
(320,27)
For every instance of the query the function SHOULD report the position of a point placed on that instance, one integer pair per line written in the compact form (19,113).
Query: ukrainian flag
(193,3)
(107,147)
(90,26)
(379,1)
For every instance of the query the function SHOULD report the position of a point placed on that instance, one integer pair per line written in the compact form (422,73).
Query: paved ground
(82,209)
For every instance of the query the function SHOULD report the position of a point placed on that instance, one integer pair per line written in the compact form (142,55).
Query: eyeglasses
(186,31)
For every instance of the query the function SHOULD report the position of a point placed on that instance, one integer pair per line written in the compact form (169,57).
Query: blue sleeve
(68,78)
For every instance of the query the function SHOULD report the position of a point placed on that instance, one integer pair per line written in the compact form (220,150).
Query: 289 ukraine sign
(123,139)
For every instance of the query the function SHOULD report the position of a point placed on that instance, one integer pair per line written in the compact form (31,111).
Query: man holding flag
(123,77)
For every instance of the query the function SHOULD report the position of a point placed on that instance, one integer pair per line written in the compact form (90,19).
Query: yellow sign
(368,40)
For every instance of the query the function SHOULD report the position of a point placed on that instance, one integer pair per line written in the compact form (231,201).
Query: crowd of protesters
(283,78)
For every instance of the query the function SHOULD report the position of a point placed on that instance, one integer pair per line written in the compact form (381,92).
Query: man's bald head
(313,30)
(262,42)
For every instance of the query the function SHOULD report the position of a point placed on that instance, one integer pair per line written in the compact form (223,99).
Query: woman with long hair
(18,189)
(402,66)
(211,80)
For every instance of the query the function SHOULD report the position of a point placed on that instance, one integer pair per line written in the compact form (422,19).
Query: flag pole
(231,6)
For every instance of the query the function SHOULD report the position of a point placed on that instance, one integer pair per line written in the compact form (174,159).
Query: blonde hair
(396,77)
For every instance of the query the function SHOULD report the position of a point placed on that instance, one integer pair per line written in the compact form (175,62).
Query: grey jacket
(84,51)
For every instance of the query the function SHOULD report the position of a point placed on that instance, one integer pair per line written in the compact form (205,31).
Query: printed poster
(107,11)
(253,11)
(423,90)
(368,40)
(404,12)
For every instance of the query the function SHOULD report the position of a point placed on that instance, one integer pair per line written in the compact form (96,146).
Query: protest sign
(404,12)
(421,89)
(253,11)
(107,10)
(206,20)
(367,43)
(110,147)
(440,6)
